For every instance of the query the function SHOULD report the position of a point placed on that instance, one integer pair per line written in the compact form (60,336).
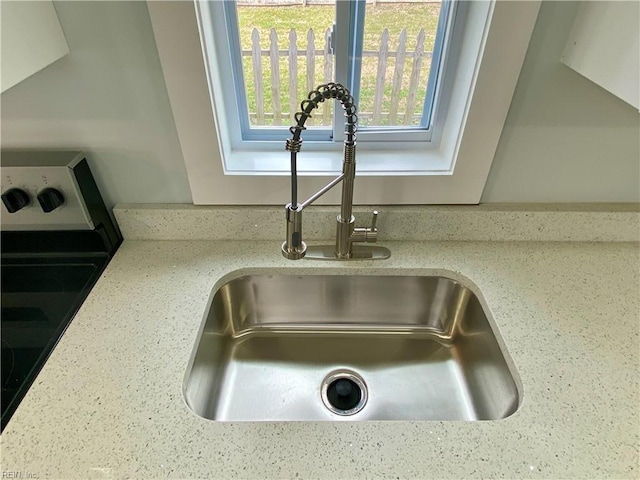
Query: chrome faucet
(347,234)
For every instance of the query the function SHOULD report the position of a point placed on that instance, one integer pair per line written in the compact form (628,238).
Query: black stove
(50,259)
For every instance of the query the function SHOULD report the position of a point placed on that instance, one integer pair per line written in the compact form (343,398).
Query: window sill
(369,162)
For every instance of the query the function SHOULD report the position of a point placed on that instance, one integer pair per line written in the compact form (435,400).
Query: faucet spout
(293,247)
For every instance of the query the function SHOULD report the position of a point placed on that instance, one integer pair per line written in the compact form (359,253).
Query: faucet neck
(349,176)
(324,92)
(313,100)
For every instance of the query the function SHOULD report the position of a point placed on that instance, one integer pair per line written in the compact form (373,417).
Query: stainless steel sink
(336,347)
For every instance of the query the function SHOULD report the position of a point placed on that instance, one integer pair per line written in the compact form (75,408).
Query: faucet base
(296,253)
(360,252)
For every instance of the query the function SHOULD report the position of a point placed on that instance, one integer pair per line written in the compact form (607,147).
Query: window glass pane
(285,55)
(398,43)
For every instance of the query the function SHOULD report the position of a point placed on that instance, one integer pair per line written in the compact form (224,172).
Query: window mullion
(342,38)
(356,39)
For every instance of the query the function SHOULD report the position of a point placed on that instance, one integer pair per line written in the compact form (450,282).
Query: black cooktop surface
(45,277)
(39,298)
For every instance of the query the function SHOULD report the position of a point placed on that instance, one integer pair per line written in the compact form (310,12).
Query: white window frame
(491,54)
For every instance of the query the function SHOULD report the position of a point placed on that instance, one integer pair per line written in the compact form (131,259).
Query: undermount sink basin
(339,347)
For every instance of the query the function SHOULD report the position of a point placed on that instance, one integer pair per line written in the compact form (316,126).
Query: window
(390,55)
(452,168)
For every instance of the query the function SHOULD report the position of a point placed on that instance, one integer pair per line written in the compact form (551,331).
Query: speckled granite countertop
(108,403)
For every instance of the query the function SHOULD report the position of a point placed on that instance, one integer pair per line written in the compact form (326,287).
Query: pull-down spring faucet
(346,234)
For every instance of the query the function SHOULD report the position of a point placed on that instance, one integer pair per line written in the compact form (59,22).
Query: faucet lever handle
(366,234)
(374,220)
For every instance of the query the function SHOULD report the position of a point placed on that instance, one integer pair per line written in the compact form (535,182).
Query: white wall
(108,98)
(565,138)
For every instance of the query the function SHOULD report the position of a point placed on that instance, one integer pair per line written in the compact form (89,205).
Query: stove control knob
(15,199)
(50,199)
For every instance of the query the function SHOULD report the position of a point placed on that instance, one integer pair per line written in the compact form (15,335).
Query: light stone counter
(108,403)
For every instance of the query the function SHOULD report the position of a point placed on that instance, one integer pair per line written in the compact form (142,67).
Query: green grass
(393,17)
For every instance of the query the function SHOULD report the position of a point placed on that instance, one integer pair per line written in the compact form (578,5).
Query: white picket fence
(398,112)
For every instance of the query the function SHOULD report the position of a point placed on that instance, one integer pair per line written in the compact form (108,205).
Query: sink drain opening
(344,392)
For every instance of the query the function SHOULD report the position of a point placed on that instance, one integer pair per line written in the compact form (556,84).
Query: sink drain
(344,392)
